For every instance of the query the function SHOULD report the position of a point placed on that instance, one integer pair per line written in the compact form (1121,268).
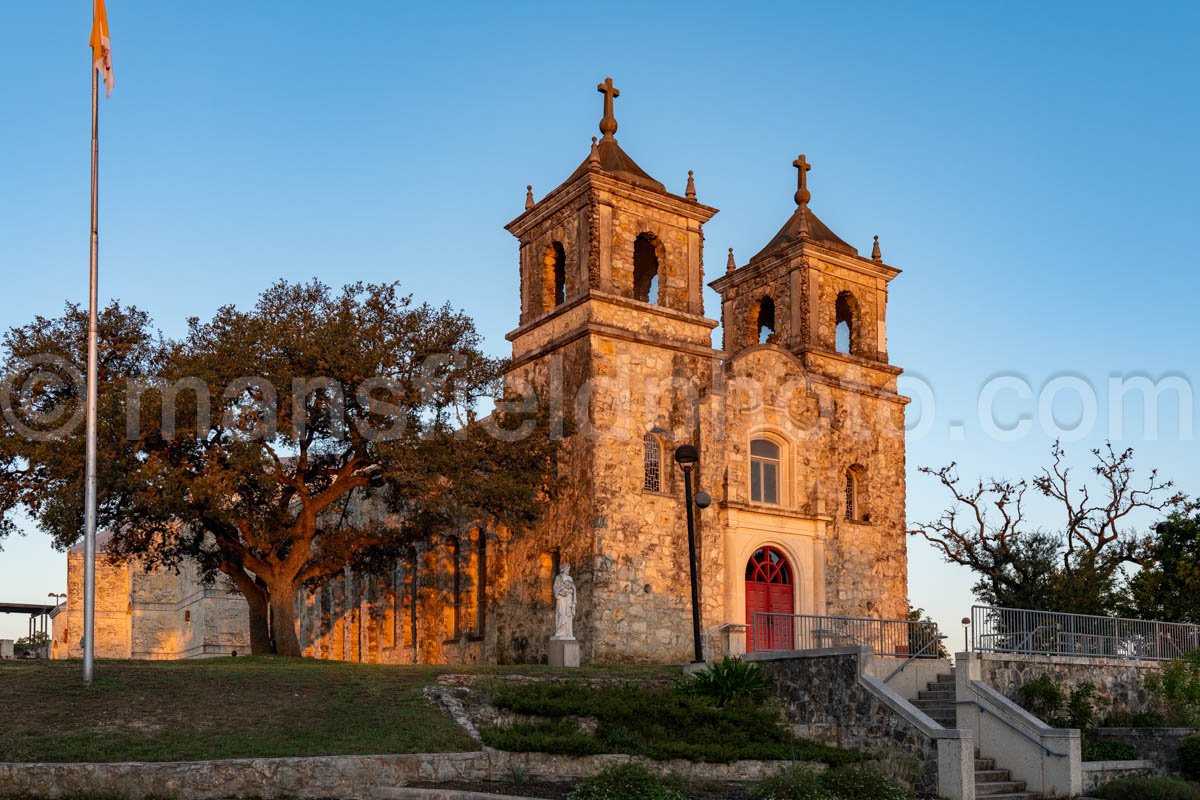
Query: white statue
(564,604)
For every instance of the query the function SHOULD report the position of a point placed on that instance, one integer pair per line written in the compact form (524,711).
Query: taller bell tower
(613,334)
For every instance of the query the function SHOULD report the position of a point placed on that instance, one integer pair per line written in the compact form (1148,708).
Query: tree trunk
(256,603)
(283,619)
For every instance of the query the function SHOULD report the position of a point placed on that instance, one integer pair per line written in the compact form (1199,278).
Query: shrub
(1123,718)
(1189,757)
(658,723)
(1045,699)
(730,680)
(793,783)
(852,783)
(837,783)
(1175,692)
(1147,789)
(1042,698)
(624,782)
(1096,749)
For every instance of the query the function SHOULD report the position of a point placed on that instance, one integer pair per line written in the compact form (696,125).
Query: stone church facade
(796,417)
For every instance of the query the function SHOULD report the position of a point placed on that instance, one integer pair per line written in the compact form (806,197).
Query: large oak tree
(277,445)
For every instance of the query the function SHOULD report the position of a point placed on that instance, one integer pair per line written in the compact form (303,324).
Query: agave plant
(730,680)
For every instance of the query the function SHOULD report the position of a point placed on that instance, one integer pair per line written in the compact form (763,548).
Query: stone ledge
(346,777)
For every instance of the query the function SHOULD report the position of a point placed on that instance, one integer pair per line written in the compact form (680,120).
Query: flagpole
(89,531)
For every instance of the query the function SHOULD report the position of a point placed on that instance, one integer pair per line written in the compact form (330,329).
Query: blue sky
(1031,167)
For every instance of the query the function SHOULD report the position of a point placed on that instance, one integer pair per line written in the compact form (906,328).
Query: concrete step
(1013,796)
(984,764)
(944,679)
(936,694)
(998,787)
(992,775)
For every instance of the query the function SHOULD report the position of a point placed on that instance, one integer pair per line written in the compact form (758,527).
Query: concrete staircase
(937,701)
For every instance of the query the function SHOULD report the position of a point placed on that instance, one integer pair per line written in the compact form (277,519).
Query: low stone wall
(1118,680)
(1158,745)
(344,777)
(1098,773)
(828,698)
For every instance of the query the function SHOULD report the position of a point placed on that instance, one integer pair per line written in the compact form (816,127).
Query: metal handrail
(778,631)
(934,642)
(984,709)
(1019,630)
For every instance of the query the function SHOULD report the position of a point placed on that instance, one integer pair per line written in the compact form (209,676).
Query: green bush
(1096,749)
(1046,700)
(1189,757)
(1042,698)
(1147,789)
(837,783)
(655,722)
(730,680)
(793,783)
(852,783)
(1123,718)
(1175,692)
(624,782)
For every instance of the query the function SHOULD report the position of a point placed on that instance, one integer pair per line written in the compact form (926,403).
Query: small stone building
(796,418)
(156,615)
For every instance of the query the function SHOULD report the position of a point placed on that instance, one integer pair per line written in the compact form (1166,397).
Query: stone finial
(802,194)
(691,187)
(876,254)
(608,123)
(594,156)
(529,197)
(730,265)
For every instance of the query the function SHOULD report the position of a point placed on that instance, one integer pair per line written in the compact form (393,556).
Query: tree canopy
(278,444)
(1077,567)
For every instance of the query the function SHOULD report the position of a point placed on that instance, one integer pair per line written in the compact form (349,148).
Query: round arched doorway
(769,590)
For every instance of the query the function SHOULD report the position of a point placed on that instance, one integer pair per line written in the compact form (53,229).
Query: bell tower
(612,332)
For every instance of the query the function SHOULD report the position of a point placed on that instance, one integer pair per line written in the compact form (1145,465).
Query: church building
(795,417)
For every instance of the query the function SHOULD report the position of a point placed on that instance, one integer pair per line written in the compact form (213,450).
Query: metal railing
(1017,630)
(887,637)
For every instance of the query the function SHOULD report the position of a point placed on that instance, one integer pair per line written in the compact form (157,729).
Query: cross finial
(802,167)
(608,124)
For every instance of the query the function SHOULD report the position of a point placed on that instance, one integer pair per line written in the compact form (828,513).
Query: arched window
(645,269)
(855,479)
(845,338)
(554,275)
(764,471)
(652,460)
(768,565)
(765,322)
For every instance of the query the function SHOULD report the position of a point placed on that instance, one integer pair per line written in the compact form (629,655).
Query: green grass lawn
(231,708)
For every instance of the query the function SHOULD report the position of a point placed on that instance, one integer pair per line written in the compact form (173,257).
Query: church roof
(804,224)
(616,162)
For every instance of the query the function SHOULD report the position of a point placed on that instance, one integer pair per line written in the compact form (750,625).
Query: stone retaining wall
(828,698)
(1159,745)
(1098,773)
(1118,680)
(344,777)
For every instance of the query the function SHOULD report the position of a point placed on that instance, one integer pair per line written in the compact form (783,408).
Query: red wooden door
(769,591)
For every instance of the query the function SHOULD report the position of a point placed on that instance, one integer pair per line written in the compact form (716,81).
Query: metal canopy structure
(39,615)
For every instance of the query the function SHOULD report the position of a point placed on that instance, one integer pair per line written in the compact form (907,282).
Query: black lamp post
(686,457)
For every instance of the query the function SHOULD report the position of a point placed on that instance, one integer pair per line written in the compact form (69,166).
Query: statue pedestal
(564,652)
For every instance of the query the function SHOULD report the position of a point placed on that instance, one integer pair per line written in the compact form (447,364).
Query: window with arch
(764,471)
(855,484)
(554,272)
(764,323)
(846,310)
(768,565)
(645,269)
(652,463)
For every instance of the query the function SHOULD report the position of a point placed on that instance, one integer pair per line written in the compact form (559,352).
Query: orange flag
(101,49)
